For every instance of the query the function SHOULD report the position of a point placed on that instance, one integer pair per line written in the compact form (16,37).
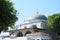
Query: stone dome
(37,16)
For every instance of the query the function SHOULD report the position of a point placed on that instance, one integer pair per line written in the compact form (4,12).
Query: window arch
(20,34)
(28,32)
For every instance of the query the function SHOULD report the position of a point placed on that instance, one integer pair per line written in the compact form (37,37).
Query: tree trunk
(0,31)
(57,36)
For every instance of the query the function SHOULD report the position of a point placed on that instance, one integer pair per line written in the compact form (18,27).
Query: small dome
(37,16)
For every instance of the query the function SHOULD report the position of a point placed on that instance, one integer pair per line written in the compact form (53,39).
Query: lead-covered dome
(37,16)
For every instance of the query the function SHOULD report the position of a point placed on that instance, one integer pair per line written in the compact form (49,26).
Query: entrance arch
(20,34)
(28,32)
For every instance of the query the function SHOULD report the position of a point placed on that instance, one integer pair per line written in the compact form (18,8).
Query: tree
(7,15)
(54,23)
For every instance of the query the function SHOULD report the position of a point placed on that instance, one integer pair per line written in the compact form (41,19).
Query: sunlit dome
(37,16)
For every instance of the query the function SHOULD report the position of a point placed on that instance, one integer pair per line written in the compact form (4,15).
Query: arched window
(20,34)
(28,32)
(25,27)
(33,26)
(43,25)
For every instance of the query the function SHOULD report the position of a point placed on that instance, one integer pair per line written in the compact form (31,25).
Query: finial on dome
(37,12)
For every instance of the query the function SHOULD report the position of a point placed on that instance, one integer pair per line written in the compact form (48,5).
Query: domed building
(33,27)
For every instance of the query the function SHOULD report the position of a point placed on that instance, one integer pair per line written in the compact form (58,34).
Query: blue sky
(27,8)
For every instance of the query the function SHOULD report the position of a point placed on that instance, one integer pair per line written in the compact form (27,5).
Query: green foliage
(54,22)
(7,14)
